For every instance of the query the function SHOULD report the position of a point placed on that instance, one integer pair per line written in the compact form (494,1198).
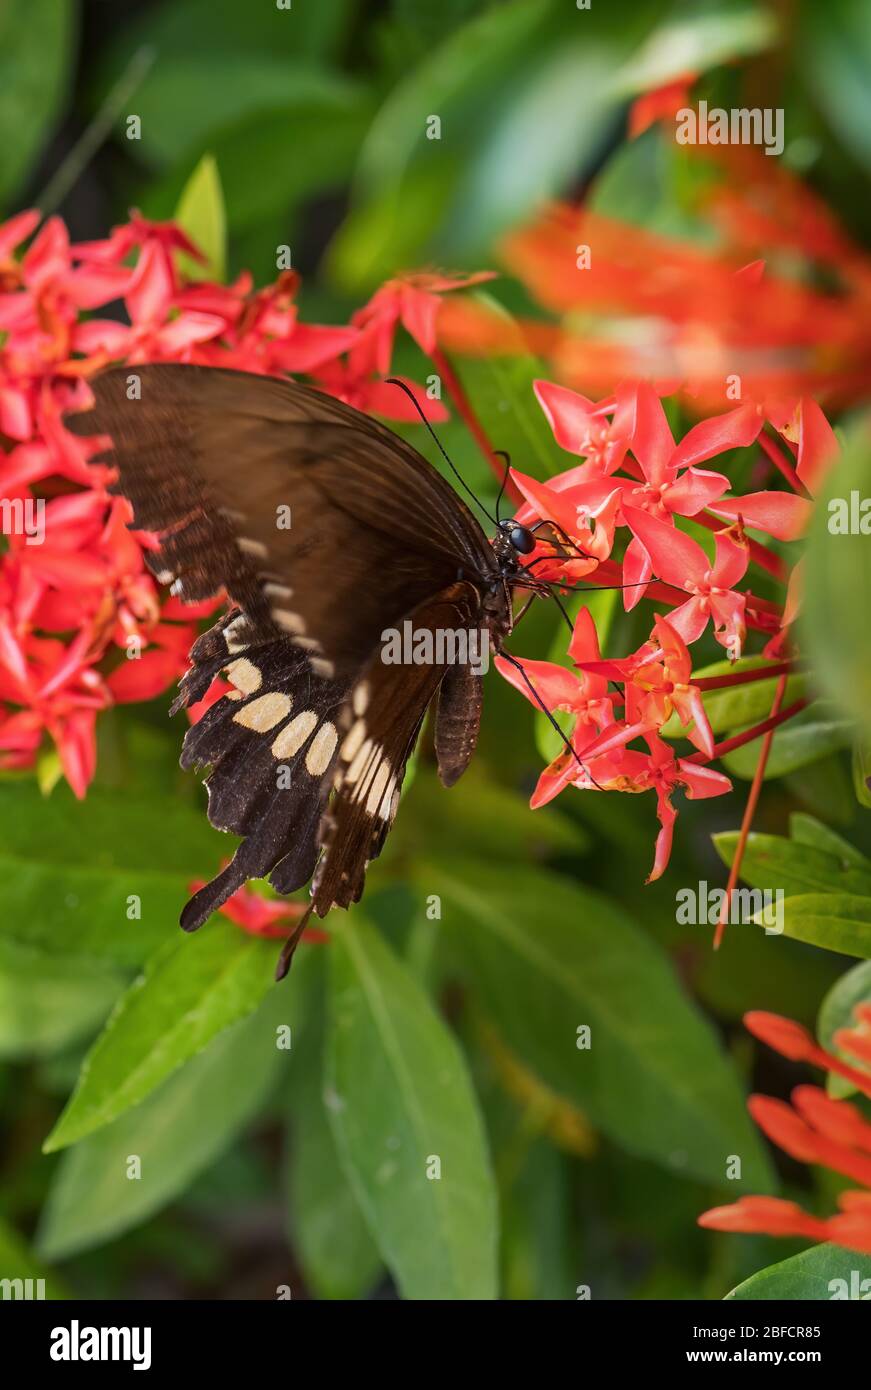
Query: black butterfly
(308,752)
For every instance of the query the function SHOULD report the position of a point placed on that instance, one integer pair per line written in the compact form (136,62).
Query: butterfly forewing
(321,524)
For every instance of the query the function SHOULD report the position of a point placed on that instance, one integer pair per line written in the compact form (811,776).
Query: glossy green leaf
(325,1226)
(836,1011)
(407,1124)
(174,1134)
(823,1273)
(862,773)
(807,830)
(696,43)
(548,958)
(809,736)
(200,213)
(836,921)
(190,990)
(837,583)
(50,1000)
(770,861)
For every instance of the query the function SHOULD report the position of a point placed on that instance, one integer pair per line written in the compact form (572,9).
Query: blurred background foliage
(453,1037)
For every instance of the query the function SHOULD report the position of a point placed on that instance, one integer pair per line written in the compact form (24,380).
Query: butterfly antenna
(502,454)
(394,381)
(545,711)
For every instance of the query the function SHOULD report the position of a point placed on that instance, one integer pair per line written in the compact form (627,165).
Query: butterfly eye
(522,539)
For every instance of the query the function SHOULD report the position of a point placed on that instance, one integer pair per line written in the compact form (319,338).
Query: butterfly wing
(321,524)
(271,745)
(389,704)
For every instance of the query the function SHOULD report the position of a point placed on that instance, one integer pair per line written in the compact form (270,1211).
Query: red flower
(682,562)
(657,680)
(814,1129)
(261,916)
(413,301)
(581,695)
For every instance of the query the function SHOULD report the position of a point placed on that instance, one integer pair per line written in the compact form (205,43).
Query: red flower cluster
(813,1129)
(636,477)
(75,597)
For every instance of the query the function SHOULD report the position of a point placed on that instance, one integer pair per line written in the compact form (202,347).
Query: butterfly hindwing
(388,706)
(271,745)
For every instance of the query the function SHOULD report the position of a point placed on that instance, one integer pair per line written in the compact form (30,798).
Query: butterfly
(325,530)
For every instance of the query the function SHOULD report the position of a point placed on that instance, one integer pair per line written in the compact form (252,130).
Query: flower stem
(749,812)
(781,462)
(759,673)
(738,740)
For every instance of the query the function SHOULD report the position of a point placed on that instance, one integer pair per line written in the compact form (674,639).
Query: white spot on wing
(264,712)
(244,675)
(291,739)
(353,741)
(233,634)
(251,547)
(323,746)
(361,697)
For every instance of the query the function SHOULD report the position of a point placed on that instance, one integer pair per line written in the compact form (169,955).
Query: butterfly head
(515,539)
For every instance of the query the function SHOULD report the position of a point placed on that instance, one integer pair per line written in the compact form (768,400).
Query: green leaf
(471,59)
(188,96)
(836,1011)
(502,388)
(400,1103)
(548,957)
(772,862)
(48,1001)
(833,50)
(548,137)
(200,213)
(738,706)
(36,50)
(85,910)
(820,1274)
(109,830)
(325,1225)
(836,584)
(485,818)
(862,773)
(191,989)
(809,736)
(175,1133)
(696,43)
(836,921)
(69,869)
(17,1262)
(807,830)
